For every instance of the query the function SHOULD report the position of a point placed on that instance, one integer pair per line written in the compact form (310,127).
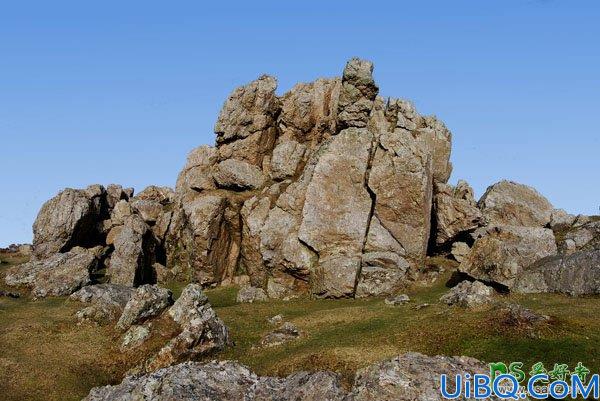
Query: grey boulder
(57,275)
(147,301)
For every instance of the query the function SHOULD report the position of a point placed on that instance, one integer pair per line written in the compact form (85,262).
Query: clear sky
(120,91)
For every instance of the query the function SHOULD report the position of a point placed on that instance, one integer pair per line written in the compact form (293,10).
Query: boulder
(104,293)
(382,273)
(560,220)
(453,214)
(149,210)
(502,253)
(202,241)
(582,235)
(401,183)
(251,294)
(69,219)
(115,193)
(309,114)
(238,175)
(437,138)
(162,195)
(106,302)
(248,110)
(223,381)
(147,301)
(510,203)
(58,275)
(575,274)
(286,158)
(191,300)
(202,331)
(468,294)
(411,376)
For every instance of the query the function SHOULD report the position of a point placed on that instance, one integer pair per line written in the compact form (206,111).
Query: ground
(45,355)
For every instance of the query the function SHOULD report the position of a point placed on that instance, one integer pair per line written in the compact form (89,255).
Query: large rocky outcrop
(408,377)
(328,190)
(304,192)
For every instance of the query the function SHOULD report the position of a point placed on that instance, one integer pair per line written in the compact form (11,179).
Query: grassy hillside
(45,355)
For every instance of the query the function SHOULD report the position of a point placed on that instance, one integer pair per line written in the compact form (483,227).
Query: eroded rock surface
(468,294)
(409,377)
(69,219)
(147,301)
(502,253)
(574,274)
(510,203)
(58,275)
(223,381)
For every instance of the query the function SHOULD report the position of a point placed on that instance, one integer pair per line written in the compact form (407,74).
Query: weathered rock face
(455,211)
(58,275)
(502,253)
(147,301)
(468,294)
(105,302)
(411,376)
(582,234)
(509,203)
(305,192)
(336,212)
(69,219)
(202,331)
(574,274)
(224,381)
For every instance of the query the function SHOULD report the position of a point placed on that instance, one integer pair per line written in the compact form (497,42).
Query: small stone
(275,320)
(251,294)
(422,306)
(287,332)
(396,300)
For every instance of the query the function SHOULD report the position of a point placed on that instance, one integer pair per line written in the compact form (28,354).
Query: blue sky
(121,91)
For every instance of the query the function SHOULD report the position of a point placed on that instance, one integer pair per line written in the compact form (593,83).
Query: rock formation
(328,190)
(411,376)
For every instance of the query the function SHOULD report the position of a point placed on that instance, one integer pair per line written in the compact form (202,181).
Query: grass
(44,355)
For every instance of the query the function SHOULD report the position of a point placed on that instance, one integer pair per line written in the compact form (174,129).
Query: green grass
(344,335)
(44,355)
